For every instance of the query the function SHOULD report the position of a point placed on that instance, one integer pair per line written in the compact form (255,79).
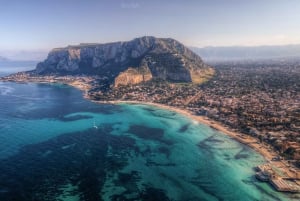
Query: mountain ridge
(151,57)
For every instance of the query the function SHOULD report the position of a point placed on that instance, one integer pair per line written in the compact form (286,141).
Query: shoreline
(249,141)
(252,142)
(280,168)
(278,182)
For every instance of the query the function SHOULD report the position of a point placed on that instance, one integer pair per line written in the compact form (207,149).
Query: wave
(25,97)
(5,90)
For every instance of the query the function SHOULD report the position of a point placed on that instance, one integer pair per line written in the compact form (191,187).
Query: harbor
(280,178)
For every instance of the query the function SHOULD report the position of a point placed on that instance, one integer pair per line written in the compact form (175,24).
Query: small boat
(96,127)
(262,176)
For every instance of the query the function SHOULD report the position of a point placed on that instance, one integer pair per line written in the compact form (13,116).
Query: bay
(50,149)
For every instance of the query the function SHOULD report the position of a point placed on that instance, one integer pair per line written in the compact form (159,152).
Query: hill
(130,62)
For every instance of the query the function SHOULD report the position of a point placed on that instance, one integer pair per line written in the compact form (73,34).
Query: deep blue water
(50,150)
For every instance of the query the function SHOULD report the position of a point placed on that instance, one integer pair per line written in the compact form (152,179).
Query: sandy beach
(263,149)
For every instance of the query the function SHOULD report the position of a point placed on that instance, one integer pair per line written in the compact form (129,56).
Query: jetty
(283,180)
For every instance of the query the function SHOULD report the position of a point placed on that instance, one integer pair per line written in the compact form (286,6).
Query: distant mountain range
(3,59)
(10,63)
(248,53)
(8,66)
(210,53)
(23,55)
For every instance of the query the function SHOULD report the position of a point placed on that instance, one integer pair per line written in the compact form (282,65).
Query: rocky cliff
(147,57)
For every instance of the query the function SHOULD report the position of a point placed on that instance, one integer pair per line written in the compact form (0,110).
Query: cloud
(130,5)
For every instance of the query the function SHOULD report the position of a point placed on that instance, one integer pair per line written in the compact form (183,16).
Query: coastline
(253,143)
(249,141)
(184,150)
(279,169)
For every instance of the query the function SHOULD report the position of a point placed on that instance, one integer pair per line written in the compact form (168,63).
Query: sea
(57,146)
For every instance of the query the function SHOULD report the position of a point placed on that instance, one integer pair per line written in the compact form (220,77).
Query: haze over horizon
(38,26)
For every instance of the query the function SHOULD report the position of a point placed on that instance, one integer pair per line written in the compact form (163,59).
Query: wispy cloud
(130,5)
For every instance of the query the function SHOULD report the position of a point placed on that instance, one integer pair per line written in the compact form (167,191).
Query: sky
(40,25)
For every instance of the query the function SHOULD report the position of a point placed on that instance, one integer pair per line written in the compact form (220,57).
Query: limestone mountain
(131,62)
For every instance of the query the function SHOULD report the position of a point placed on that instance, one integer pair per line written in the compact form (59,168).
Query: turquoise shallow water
(49,150)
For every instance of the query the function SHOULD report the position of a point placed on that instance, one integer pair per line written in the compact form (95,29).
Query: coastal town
(257,103)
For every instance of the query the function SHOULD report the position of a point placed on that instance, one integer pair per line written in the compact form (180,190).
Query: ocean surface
(55,145)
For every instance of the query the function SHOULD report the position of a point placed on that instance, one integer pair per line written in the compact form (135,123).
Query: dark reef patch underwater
(50,150)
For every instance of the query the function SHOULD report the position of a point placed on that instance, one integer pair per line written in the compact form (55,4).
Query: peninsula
(255,103)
